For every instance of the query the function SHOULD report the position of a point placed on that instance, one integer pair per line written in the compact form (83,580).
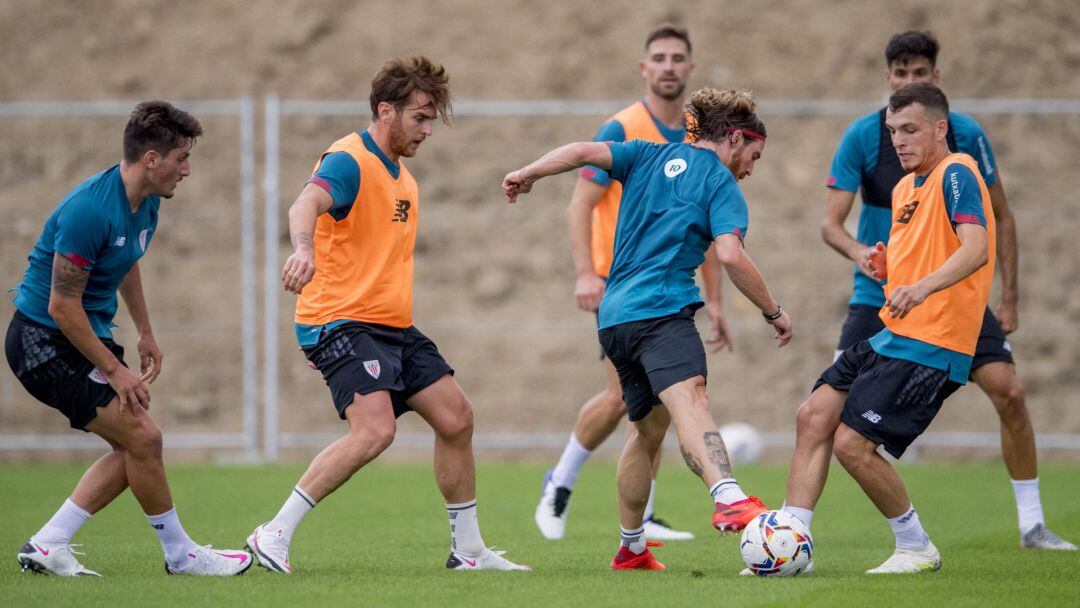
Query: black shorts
(652,355)
(52,370)
(889,401)
(863,322)
(365,358)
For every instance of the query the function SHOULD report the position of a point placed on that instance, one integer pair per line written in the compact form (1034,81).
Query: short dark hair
(905,46)
(931,98)
(669,31)
(399,77)
(158,125)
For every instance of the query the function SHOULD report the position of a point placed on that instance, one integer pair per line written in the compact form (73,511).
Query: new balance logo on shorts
(872,416)
(120,240)
(372,368)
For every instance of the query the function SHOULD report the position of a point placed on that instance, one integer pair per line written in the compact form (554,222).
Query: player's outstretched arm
(299,269)
(66,309)
(560,160)
(748,280)
(150,355)
(971,256)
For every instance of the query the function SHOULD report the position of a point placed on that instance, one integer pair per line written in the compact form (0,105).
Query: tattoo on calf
(714,445)
(302,238)
(691,461)
(68,279)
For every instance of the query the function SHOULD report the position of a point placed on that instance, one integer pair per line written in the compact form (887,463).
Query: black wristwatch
(776,315)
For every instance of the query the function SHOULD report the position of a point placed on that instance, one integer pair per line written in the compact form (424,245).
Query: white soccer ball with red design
(776,543)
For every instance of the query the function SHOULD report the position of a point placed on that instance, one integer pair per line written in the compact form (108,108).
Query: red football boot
(734,517)
(626,559)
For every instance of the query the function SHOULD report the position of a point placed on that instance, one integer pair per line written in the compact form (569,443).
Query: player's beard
(670,96)
(399,141)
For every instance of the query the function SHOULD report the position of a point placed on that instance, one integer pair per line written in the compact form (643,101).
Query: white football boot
(911,561)
(552,511)
(57,559)
(1041,537)
(271,548)
(488,560)
(658,529)
(205,561)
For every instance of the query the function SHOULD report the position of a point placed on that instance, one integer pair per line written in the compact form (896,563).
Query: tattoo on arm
(68,279)
(718,453)
(302,238)
(691,461)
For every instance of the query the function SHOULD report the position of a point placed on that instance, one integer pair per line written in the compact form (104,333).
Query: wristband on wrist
(776,315)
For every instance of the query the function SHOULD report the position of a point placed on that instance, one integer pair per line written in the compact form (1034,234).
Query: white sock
(1028,504)
(565,473)
(465,529)
(295,508)
(174,540)
(804,515)
(634,539)
(649,505)
(63,525)
(909,531)
(727,491)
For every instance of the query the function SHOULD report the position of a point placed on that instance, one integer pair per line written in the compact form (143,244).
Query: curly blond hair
(713,114)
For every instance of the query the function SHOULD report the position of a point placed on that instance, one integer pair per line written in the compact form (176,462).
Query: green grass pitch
(383,539)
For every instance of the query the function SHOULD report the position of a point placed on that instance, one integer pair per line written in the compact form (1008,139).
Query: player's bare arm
(748,280)
(589,288)
(1008,259)
(150,355)
(712,278)
(838,205)
(971,256)
(560,160)
(65,307)
(299,269)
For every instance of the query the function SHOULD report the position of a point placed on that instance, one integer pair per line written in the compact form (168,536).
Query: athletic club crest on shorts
(372,368)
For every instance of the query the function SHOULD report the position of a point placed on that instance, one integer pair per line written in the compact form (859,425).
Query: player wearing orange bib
(939,267)
(593,209)
(353,230)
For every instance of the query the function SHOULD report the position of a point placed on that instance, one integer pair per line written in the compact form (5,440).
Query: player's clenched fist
(515,183)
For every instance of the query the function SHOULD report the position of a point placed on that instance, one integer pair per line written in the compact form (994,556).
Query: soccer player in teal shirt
(677,200)
(59,343)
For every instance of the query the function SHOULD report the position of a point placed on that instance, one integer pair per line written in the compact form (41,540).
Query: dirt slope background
(494,283)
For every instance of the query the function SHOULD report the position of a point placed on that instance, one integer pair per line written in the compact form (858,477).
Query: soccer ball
(776,543)
(743,442)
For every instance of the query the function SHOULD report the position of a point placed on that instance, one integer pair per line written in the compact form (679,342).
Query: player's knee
(372,439)
(813,420)
(612,400)
(849,448)
(145,440)
(459,427)
(1009,399)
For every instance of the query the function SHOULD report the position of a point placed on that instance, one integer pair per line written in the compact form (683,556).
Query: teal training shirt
(676,199)
(92,227)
